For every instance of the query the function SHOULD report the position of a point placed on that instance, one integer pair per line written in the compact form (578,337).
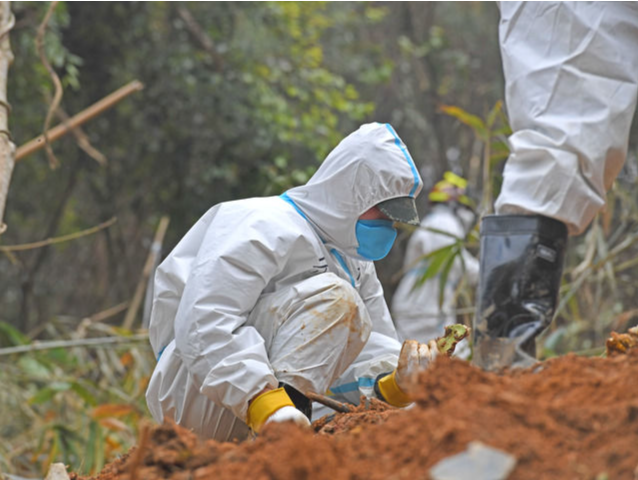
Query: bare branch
(57,97)
(201,36)
(106,314)
(84,342)
(63,238)
(84,116)
(82,139)
(15,261)
(146,272)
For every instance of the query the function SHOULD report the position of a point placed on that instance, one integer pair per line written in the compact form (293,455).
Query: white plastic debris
(478,462)
(57,471)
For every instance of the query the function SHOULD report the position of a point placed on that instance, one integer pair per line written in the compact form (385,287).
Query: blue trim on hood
(159,355)
(284,196)
(343,264)
(397,141)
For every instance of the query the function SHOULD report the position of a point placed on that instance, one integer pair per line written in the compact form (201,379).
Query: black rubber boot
(521,263)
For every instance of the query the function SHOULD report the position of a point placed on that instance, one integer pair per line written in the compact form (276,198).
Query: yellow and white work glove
(415,357)
(274,406)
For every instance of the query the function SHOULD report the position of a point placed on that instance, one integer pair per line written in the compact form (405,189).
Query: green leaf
(47,393)
(91,447)
(498,156)
(43,395)
(11,336)
(375,14)
(33,368)
(436,260)
(445,273)
(472,121)
(491,117)
(60,386)
(505,131)
(84,393)
(94,458)
(59,357)
(441,232)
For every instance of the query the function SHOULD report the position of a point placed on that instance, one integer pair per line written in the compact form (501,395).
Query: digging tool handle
(329,402)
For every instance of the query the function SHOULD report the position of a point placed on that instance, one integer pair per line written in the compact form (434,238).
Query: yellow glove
(391,393)
(413,359)
(276,406)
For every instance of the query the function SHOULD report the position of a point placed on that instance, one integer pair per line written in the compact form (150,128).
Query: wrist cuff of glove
(265,405)
(391,392)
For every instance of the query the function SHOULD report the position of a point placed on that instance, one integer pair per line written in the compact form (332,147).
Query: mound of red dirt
(569,418)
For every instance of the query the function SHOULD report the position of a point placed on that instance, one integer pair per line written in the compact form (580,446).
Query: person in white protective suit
(571,73)
(416,311)
(266,299)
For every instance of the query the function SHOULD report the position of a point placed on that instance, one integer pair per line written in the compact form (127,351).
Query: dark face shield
(401,209)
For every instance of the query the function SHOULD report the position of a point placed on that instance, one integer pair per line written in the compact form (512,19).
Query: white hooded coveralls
(571,72)
(415,309)
(269,290)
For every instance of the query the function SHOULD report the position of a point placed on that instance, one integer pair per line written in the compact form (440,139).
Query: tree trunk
(7,148)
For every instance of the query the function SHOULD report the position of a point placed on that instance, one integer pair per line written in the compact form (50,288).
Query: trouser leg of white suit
(571,72)
(312,330)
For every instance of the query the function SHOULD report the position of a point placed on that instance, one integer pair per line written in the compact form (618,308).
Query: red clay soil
(571,418)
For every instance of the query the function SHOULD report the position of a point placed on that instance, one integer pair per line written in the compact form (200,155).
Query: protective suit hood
(367,167)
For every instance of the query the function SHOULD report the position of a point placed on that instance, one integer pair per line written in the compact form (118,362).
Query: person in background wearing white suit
(416,311)
(267,299)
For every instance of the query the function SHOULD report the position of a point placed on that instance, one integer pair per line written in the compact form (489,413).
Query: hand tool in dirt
(329,402)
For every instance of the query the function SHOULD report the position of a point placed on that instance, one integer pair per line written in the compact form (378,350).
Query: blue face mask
(375,238)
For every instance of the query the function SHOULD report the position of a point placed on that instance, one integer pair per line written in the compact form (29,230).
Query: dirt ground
(570,418)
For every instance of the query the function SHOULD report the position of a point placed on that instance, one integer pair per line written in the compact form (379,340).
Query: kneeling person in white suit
(266,299)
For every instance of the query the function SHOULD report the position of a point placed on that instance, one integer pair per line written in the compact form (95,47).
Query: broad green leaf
(435,260)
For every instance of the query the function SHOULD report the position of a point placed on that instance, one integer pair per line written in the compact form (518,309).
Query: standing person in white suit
(266,299)
(416,311)
(571,73)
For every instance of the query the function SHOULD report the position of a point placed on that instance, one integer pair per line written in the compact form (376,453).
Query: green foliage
(295,93)
(32,87)
(11,336)
(438,263)
(78,406)
(492,132)
(598,290)
(253,115)
(596,287)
